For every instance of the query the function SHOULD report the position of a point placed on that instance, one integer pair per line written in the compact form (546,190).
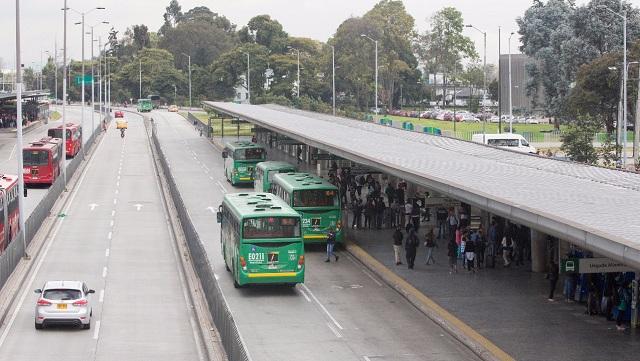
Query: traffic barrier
(218,308)
(15,250)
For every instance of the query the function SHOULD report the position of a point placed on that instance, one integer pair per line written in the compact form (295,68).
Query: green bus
(240,159)
(261,239)
(265,171)
(145,105)
(317,201)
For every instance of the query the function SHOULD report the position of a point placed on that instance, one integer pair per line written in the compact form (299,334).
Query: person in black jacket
(410,247)
(553,279)
(331,242)
(397,243)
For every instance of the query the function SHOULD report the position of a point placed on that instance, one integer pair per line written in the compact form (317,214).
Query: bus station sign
(593,265)
(324,156)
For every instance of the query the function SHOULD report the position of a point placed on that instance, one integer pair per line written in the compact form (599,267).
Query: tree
(265,31)
(577,140)
(230,69)
(493,90)
(141,36)
(200,33)
(172,16)
(443,47)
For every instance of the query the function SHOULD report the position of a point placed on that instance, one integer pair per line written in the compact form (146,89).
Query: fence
(222,317)
(15,250)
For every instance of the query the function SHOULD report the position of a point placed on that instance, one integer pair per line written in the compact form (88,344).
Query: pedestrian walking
(299,154)
(553,279)
(453,223)
(469,254)
(415,217)
(452,253)
(441,221)
(369,213)
(624,297)
(331,242)
(507,248)
(492,244)
(397,244)
(408,209)
(429,244)
(410,247)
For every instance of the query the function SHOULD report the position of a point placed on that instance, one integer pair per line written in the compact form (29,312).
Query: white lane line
(118,177)
(106,252)
(117,191)
(113,213)
(363,269)
(211,177)
(321,306)
(115,201)
(304,294)
(96,331)
(109,235)
(335,332)
(216,276)
(221,187)
(13,150)
(117,184)
(366,358)
(104,272)
(101,298)
(111,223)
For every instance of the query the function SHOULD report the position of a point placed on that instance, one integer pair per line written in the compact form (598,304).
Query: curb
(477,343)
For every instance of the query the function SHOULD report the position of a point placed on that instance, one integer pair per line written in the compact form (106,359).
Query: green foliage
(577,140)
(265,31)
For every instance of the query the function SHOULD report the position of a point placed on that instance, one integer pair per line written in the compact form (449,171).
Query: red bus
(43,161)
(9,211)
(74,137)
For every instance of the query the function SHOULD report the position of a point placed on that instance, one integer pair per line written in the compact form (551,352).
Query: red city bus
(9,211)
(43,161)
(74,139)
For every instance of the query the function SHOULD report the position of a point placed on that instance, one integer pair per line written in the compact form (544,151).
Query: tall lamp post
(93,84)
(248,79)
(19,131)
(623,16)
(140,78)
(376,43)
(333,76)
(189,57)
(635,128)
(298,85)
(510,90)
(484,83)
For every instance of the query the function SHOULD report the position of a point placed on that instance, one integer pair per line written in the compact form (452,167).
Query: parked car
(494,119)
(510,141)
(447,116)
(532,120)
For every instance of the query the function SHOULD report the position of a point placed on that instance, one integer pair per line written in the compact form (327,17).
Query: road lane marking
(104,272)
(93,206)
(13,150)
(111,223)
(101,298)
(106,252)
(109,235)
(335,332)
(96,332)
(117,192)
(221,187)
(113,213)
(366,358)
(362,269)
(117,184)
(115,201)
(304,294)
(321,306)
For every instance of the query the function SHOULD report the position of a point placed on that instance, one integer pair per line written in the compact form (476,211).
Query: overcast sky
(42,20)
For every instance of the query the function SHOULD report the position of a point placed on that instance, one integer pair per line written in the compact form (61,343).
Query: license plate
(62,306)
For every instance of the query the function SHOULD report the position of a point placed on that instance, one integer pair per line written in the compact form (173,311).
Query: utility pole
(140,78)
(19,131)
(333,76)
(510,90)
(499,84)
(64,92)
(376,89)
(248,79)
(189,57)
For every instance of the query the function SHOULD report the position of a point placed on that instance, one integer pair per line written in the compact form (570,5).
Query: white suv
(63,302)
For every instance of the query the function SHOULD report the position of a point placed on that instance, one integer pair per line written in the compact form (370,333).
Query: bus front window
(316,198)
(249,154)
(35,157)
(271,227)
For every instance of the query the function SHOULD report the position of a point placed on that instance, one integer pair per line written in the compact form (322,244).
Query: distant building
(242,94)
(521,102)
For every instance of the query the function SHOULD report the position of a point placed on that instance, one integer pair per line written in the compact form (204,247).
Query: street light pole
(19,131)
(298,87)
(140,78)
(510,90)
(189,57)
(64,91)
(333,76)
(248,79)
(484,83)
(376,43)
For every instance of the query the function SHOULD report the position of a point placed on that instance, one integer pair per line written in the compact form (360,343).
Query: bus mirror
(25,192)
(224,154)
(219,217)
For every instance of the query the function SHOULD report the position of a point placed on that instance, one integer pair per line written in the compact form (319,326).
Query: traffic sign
(88,79)
(324,156)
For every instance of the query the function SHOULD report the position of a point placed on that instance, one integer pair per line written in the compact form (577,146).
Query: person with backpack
(430,244)
(331,242)
(410,247)
(397,243)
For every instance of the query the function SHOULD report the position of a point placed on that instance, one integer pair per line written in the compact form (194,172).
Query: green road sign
(88,79)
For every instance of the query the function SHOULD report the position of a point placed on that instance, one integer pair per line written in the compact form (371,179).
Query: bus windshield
(271,227)
(316,198)
(35,157)
(249,154)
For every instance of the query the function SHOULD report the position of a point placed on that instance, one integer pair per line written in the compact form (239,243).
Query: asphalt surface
(115,237)
(342,312)
(9,153)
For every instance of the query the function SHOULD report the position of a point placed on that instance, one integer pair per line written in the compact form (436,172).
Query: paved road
(125,254)
(8,151)
(342,312)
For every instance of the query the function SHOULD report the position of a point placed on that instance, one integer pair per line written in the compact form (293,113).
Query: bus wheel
(235,283)
(226,266)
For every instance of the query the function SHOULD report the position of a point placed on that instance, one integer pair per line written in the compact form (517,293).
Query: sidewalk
(508,306)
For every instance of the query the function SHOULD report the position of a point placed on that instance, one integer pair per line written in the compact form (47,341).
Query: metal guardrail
(10,258)
(218,307)
(204,129)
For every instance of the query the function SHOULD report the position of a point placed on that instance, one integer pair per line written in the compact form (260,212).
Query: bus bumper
(272,277)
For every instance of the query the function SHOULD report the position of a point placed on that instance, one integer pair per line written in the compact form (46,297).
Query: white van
(505,140)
